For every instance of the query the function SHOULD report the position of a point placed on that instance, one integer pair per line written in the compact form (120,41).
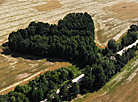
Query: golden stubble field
(112,18)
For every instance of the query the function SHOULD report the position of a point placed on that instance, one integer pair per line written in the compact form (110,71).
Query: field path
(24,81)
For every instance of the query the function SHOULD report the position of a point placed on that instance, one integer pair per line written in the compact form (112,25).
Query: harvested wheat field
(112,18)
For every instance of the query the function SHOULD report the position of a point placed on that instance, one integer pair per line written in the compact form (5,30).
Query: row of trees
(72,39)
(45,87)
(108,63)
(129,38)
(105,67)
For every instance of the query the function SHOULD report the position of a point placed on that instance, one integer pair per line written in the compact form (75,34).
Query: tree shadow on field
(7,51)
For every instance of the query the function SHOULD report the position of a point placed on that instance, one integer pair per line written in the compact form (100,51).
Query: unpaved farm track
(31,77)
(15,14)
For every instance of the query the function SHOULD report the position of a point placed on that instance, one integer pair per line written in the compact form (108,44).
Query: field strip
(21,81)
(122,74)
(18,10)
(6,26)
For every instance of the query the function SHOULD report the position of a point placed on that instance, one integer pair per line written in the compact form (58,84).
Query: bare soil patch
(125,10)
(53,4)
(22,76)
(1,1)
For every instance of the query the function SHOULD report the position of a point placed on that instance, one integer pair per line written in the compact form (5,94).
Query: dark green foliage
(16,97)
(131,36)
(72,39)
(3,98)
(112,45)
(94,79)
(107,65)
(100,77)
(69,91)
(45,87)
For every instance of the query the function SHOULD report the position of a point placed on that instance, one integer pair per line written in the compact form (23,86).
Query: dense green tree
(112,45)
(73,35)
(100,77)
(75,89)
(12,99)
(19,100)
(40,94)
(3,98)
(64,92)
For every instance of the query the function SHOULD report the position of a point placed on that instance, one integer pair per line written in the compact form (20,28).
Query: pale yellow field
(111,19)
(125,10)
(53,4)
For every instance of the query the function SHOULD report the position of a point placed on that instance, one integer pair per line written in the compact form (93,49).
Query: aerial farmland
(112,19)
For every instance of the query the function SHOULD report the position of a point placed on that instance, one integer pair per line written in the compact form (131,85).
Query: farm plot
(14,71)
(111,18)
(15,14)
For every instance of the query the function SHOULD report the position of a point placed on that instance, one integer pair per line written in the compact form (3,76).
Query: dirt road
(22,82)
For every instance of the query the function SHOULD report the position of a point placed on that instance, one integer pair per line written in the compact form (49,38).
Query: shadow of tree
(7,51)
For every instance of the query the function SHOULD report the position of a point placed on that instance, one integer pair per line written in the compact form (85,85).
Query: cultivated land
(121,88)
(14,70)
(112,18)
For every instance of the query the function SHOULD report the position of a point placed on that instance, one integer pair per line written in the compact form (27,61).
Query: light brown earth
(14,72)
(111,18)
(22,76)
(53,4)
(125,10)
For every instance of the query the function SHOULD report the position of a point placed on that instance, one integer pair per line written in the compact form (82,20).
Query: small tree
(112,45)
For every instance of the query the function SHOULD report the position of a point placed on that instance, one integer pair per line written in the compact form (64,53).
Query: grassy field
(121,88)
